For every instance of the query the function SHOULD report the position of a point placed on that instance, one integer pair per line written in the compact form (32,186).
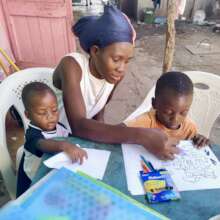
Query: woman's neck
(93,70)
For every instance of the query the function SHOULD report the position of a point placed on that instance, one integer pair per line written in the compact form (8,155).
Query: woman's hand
(157,142)
(200,140)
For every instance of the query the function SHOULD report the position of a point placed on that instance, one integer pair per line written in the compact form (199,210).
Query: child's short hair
(178,82)
(33,89)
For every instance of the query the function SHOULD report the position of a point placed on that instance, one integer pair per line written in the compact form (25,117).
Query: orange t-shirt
(187,129)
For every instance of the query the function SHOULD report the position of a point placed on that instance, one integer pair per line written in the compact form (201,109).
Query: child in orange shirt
(172,101)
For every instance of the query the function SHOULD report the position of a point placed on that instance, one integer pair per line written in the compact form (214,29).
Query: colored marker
(144,167)
(146,163)
(151,166)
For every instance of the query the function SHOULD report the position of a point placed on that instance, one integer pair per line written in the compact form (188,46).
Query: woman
(87,83)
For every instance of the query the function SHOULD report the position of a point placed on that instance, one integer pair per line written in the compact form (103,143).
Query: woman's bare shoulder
(67,70)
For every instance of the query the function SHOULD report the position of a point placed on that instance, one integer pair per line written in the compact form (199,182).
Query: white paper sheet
(94,166)
(193,169)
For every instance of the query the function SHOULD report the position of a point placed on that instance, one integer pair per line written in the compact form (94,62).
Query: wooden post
(170,36)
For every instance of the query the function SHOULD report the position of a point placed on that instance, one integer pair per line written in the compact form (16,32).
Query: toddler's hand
(200,140)
(75,153)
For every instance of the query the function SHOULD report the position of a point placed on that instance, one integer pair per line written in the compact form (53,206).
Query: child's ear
(153,103)
(27,114)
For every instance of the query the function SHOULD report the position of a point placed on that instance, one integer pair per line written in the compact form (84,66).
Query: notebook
(67,195)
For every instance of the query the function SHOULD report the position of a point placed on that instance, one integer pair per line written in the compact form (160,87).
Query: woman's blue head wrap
(112,27)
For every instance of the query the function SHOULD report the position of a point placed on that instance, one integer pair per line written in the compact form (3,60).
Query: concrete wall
(191,7)
(133,8)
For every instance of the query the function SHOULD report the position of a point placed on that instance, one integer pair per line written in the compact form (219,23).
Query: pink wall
(4,39)
(39,31)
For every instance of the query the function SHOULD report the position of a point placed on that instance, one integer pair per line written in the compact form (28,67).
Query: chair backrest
(206,101)
(10,90)
(145,106)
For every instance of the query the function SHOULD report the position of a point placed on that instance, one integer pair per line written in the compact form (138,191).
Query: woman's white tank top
(95,91)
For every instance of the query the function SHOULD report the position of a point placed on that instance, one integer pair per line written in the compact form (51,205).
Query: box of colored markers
(158,184)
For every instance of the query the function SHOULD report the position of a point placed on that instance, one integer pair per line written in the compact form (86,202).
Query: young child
(171,104)
(41,108)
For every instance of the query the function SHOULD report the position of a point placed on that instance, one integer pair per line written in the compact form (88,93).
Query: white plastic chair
(145,106)
(206,102)
(217,217)
(10,90)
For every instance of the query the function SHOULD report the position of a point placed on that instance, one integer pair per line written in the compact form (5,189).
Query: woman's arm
(67,77)
(100,116)
(69,74)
